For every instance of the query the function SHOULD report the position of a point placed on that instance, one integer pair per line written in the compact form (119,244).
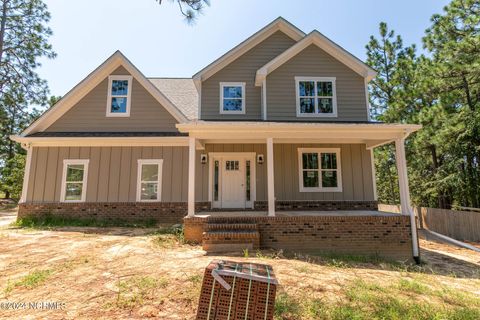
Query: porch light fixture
(203,158)
(260,158)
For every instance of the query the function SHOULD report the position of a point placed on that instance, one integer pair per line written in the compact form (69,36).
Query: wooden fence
(460,225)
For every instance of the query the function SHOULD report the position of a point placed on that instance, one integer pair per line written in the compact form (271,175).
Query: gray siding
(357,180)
(89,114)
(112,173)
(243,69)
(314,62)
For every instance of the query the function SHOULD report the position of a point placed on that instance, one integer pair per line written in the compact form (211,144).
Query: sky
(160,43)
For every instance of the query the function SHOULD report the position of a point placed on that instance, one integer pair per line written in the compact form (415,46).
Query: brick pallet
(233,290)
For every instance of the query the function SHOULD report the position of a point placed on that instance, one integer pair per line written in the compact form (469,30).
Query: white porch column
(191,176)
(270,176)
(26,174)
(405,192)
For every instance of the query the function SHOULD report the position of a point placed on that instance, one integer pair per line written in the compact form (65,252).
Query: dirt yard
(122,273)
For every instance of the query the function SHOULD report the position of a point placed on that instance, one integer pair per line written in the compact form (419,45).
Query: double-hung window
(316,97)
(149,180)
(119,96)
(232,97)
(74,180)
(319,170)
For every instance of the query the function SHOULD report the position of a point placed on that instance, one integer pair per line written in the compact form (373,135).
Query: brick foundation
(121,212)
(387,236)
(287,205)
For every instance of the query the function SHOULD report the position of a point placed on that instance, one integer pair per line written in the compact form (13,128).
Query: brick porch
(346,232)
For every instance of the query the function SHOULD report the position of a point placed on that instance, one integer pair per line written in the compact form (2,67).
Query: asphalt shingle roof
(181,92)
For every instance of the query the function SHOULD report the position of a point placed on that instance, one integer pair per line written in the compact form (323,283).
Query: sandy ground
(86,265)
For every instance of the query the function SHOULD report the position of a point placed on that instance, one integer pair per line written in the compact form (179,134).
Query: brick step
(230,220)
(230,240)
(231,226)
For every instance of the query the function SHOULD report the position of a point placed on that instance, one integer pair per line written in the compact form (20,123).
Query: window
(316,97)
(319,170)
(74,180)
(149,180)
(119,93)
(232,97)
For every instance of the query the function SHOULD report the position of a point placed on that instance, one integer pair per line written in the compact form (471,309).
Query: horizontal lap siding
(89,114)
(243,69)
(314,62)
(112,172)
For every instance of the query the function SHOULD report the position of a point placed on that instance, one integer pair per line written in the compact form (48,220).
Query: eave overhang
(372,134)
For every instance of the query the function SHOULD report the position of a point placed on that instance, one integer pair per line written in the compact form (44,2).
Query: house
(278,126)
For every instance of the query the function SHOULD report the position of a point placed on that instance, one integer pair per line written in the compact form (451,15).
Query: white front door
(233,183)
(232,180)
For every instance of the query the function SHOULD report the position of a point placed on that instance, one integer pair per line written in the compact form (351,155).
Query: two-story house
(278,126)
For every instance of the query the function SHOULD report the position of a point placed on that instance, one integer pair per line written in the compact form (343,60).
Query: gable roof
(90,82)
(323,43)
(182,93)
(279,24)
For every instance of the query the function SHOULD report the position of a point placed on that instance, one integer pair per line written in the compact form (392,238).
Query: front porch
(276,197)
(355,232)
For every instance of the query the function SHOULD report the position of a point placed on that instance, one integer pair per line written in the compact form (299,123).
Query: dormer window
(316,97)
(232,97)
(119,96)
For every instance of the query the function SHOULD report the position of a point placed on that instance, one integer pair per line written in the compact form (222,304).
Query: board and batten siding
(243,69)
(356,167)
(112,172)
(89,114)
(314,62)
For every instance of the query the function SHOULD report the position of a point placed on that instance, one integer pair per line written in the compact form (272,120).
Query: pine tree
(23,40)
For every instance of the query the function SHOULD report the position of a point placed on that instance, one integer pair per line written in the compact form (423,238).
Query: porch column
(405,192)
(191,176)
(270,178)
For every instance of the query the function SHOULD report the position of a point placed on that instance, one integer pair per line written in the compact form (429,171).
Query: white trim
(101,141)
(270,178)
(128,96)
(264,99)
(191,176)
(199,90)
(66,163)
(232,84)
(90,82)
(212,156)
(278,24)
(374,175)
(320,188)
(323,43)
(26,174)
(367,99)
(316,114)
(140,163)
(405,191)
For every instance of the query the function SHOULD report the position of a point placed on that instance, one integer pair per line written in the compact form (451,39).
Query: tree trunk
(2,27)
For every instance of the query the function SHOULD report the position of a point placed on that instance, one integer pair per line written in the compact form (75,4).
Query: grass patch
(169,237)
(30,281)
(136,291)
(401,300)
(51,221)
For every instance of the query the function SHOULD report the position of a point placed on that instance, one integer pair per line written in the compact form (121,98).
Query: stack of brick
(233,290)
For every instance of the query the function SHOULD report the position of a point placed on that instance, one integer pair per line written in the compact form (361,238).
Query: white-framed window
(232,97)
(319,170)
(149,180)
(119,96)
(74,180)
(316,96)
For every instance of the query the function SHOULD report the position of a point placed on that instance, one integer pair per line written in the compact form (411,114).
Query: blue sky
(159,42)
